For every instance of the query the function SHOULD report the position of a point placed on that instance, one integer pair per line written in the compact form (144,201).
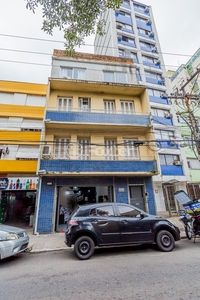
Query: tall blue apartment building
(131,32)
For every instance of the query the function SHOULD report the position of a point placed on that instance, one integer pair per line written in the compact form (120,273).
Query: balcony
(171,170)
(150,64)
(126,43)
(97,117)
(122,19)
(162,120)
(143,25)
(125,5)
(142,11)
(145,166)
(148,49)
(158,100)
(155,81)
(166,144)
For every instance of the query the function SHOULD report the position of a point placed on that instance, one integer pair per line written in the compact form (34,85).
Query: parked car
(114,224)
(13,240)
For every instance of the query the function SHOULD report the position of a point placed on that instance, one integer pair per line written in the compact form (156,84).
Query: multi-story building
(131,32)
(178,79)
(21,120)
(95,139)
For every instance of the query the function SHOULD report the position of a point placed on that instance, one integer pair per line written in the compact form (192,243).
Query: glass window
(108,76)
(127,107)
(62,148)
(83,149)
(79,73)
(133,55)
(130,151)
(73,73)
(109,106)
(64,104)
(128,212)
(168,159)
(120,77)
(110,149)
(103,211)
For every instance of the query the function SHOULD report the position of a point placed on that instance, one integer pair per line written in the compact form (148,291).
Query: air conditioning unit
(151,33)
(172,142)
(177,163)
(119,25)
(158,61)
(168,115)
(46,152)
(119,37)
(163,95)
(146,9)
(149,21)
(154,50)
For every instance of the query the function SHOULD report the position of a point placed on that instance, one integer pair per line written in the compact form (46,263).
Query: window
(153,75)
(110,150)
(73,73)
(124,14)
(62,148)
(164,134)
(127,107)
(128,212)
(83,149)
(187,140)
(141,20)
(128,39)
(155,93)
(127,26)
(130,151)
(133,55)
(109,106)
(64,104)
(121,52)
(103,211)
(143,31)
(84,104)
(159,112)
(147,45)
(119,77)
(194,163)
(127,2)
(149,59)
(168,159)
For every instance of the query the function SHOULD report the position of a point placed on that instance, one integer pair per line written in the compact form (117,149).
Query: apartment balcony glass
(171,170)
(158,100)
(155,81)
(162,120)
(166,144)
(141,9)
(143,25)
(97,117)
(151,64)
(123,19)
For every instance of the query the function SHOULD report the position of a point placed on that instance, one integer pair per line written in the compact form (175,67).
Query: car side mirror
(142,215)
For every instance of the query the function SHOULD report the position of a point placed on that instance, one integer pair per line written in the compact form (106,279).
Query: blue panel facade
(172,170)
(78,166)
(97,118)
(123,19)
(155,81)
(158,100)
(161,120)
(126,43)
(147,63)
(47,210)
(46,206)
(143,25)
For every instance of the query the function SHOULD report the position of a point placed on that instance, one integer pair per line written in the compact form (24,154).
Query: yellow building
(97,138)
(21,122)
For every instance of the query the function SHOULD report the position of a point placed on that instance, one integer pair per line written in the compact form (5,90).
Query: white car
(13,240)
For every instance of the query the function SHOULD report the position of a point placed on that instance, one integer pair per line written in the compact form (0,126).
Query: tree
(76,18)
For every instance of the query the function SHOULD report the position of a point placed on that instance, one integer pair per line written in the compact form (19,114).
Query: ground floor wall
(123,191)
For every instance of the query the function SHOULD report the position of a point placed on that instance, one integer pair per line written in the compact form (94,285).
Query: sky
(26,51)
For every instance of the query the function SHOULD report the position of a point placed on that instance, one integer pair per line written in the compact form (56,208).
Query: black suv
(114,224)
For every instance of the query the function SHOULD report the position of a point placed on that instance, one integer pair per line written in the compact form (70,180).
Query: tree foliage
(76,18)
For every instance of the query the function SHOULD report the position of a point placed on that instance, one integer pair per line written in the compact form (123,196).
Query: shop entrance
(84,195)
(137,197)
(17,207)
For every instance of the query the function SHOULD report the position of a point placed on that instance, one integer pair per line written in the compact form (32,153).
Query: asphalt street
(131,273)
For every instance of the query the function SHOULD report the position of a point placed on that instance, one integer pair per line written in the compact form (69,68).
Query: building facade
(131,32)
(94,145)
(177,80)
(21,120)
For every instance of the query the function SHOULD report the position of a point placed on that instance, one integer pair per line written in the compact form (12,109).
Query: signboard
(21,183)
(4,183)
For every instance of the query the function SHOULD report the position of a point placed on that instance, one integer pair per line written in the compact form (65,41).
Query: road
(131,273)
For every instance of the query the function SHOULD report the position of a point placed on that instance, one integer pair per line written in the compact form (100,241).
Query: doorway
(170,202)
(137,197)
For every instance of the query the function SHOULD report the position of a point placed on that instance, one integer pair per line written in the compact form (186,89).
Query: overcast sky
(177,22)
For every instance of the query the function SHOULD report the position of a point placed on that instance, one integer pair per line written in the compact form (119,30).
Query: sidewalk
(55,241)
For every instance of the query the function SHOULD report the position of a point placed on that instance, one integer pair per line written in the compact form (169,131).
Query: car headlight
(11,236)
(172,222)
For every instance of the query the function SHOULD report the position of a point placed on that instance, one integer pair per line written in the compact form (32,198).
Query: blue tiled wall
(47,197)
(97,118)
(97,166)
(46,207)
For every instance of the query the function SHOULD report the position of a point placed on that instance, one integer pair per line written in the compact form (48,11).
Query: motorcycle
(190,216)
(191,224)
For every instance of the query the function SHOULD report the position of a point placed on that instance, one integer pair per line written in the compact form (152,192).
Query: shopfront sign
(21,183)
(4,183)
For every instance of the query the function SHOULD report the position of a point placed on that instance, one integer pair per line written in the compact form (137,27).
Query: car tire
(165,241)
(84,247)
(188,231)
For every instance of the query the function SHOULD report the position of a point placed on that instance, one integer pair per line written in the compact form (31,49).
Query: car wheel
(188,231)
(84,247)
(165,241)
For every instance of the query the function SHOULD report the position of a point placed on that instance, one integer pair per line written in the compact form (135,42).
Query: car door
(134,228)
(106,224)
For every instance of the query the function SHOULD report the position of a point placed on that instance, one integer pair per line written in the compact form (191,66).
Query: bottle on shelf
(17,184)
(27,184)
(11,185)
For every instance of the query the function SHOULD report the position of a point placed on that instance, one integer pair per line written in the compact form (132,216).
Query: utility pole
(194,126)
(187,97)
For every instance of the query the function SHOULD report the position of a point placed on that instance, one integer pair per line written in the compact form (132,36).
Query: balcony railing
(97,116)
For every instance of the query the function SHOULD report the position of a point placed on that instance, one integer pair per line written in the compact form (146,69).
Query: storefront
(53,209)
(17,200)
